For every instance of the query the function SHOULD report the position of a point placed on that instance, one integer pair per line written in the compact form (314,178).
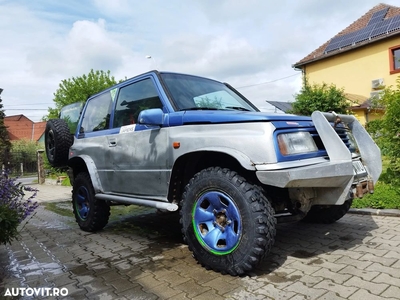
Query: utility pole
(4,140)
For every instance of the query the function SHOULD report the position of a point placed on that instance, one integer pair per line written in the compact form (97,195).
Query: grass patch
(62,208)
(385,196)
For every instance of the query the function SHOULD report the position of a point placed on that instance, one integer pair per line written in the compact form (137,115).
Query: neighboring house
(363,109)
(363,59)
(281,107)
(20,127)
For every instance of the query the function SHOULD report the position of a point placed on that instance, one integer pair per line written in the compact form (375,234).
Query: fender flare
(92,170)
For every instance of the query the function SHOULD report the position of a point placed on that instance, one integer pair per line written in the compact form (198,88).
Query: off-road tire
(91,214)
(246,240)
(327,214)
(58,140)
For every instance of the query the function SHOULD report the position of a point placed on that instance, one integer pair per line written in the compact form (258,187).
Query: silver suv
(184,143)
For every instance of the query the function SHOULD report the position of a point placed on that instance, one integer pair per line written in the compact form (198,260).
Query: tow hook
(364,187)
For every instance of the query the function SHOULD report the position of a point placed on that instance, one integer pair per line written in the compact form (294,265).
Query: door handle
(112,142)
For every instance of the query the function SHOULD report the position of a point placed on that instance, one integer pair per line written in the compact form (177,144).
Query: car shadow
(305,241)
(150,223)
(299,240)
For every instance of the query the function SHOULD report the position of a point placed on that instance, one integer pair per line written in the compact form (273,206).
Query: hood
(230,116)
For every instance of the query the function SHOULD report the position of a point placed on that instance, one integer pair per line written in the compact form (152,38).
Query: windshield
(196,93)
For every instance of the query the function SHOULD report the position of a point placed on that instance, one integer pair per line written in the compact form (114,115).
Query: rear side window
(71,114)
(134,98)
(97,114)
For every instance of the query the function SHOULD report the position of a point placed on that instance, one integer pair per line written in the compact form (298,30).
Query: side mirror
(153,116)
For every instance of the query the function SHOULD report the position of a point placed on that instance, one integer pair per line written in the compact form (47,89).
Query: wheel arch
(187,165)
(83,163)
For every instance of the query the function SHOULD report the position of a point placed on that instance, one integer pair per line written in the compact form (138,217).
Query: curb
(376,212)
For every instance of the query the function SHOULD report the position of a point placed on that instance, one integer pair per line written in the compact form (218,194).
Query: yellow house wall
(360,115)
(374,115)
(363,115)
(354,70)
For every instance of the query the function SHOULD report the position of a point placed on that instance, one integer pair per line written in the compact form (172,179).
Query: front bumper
(333,180)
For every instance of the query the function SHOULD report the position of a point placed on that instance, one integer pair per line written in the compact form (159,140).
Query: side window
(134,98)
(394,57)
(97,114)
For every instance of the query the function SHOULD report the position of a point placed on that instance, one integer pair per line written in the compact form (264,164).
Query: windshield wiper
(199,108)
(241,108)
(238,108)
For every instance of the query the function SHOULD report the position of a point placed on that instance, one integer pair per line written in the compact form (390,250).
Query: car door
(93,137)
(139,157)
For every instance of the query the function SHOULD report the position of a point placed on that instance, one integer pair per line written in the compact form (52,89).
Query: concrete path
(142,256)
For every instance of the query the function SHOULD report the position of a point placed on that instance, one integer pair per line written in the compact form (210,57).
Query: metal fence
(20,163)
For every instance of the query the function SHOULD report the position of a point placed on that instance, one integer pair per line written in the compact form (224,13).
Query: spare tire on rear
(58,140)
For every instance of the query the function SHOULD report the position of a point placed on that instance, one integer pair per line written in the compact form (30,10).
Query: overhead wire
(271,81)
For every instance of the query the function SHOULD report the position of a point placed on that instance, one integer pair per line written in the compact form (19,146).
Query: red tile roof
(361,23)
(20,127)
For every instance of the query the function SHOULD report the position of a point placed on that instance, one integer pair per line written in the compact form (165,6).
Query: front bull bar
(331,181)
(337,150)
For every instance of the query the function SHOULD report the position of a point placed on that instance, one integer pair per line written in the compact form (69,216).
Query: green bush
(66,182)
(13,207)
(9,221)
(322,97)
(387,131)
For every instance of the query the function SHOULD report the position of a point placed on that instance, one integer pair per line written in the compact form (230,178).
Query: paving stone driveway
(143,257)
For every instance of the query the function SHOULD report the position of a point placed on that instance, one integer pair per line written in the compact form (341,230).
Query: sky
(250,44)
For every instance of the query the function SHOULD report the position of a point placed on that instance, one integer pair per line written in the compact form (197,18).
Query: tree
(209,103)
(79,89)
(5,144)
(322,97)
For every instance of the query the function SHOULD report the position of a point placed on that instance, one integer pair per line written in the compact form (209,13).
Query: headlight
(296,143)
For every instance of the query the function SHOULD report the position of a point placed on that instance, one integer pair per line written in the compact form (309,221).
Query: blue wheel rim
(82,203)
(217,223)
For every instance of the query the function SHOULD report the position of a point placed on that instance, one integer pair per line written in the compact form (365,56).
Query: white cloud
(216,56)
(89,45)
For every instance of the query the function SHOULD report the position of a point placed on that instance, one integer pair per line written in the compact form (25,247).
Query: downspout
(303,73)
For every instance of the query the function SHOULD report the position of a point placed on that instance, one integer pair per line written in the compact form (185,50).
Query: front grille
(341,132)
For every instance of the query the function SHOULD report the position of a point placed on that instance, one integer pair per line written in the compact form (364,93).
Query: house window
(394,56)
